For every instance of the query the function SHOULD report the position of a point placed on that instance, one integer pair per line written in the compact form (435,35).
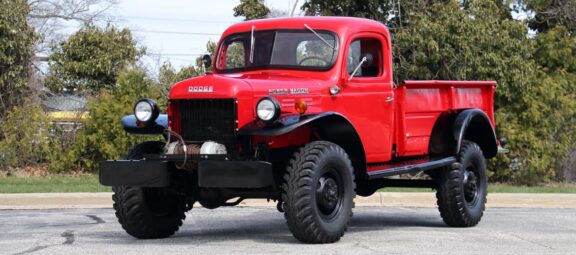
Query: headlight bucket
(268,109)
(146,111)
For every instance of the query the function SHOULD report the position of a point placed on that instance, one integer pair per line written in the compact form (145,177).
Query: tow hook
(280,206)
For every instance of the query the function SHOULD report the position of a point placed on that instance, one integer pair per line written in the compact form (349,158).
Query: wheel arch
(329,126)
(338,129)
(474,125)
(451,128)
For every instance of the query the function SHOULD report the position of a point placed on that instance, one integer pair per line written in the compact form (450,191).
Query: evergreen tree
(91,59)
(251,9)
(16,49)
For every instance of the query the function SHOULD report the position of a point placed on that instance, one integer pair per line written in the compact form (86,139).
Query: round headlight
(268,109)
(146,110)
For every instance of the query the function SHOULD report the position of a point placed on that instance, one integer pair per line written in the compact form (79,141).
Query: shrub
(102,136)
(26,137)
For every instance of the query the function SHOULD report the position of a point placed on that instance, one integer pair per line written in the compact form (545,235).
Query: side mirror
(206,61)
(366,60)
(369,59)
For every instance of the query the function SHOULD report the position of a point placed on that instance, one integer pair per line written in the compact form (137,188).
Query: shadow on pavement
(267,226)
(382,221)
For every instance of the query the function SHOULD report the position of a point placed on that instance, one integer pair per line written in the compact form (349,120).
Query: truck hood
(243,86)
(211,86)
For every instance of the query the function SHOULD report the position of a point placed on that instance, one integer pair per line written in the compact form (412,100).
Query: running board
(407,167)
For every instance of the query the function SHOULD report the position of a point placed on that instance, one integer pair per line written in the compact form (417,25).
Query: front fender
(284,125)
(131,125)
(329,126)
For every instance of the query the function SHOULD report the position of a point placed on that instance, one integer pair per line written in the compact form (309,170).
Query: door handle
(389,99)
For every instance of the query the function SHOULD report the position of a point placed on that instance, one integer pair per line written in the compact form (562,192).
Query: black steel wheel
(318,193)
(462,191)
(148,213)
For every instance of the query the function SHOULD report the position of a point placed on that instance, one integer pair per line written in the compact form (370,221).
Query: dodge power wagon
(304,112)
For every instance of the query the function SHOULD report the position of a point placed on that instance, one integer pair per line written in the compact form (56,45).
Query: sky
(178,30)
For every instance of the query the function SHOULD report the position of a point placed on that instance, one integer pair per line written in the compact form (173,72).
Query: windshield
(290,49)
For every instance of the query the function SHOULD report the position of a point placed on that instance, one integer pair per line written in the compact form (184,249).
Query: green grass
(89,183)
(56,183)
(548,188)
(507,188)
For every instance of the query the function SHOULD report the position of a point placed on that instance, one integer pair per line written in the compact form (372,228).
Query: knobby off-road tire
(318,193)
(462,191)
(148,213)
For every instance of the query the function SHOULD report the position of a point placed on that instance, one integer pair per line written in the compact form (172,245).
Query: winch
(206,148)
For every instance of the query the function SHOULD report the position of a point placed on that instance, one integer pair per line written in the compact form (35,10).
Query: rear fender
(452,128)
(474,125)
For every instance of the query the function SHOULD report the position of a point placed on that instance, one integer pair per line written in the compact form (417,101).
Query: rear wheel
(318,193)
(462,191)
(148,213)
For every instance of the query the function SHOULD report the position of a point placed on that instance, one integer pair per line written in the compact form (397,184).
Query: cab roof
(340,25)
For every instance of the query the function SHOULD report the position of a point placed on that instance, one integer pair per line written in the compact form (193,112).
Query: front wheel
(148,213)
(318,193)
(462,190)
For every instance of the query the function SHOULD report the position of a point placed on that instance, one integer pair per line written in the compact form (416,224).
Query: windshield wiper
(320,37)
(252,39)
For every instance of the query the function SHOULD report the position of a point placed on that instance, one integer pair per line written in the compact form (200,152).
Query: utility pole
(294,8)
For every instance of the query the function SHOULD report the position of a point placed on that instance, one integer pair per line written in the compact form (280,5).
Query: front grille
(208,119)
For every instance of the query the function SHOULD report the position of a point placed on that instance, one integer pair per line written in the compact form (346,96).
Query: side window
(368,48)
(353,58)
(235,55)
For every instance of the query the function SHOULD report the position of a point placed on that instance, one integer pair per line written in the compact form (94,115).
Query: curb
(380,199)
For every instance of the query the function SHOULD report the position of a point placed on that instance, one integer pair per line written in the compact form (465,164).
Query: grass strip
(89,183)
(51,184)
(507,188)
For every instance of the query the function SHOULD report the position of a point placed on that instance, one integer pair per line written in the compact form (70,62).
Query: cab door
(367,96)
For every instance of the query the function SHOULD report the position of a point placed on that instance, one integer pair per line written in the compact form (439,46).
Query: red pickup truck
(304,111)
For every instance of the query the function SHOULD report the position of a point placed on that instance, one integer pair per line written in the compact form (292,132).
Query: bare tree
(551,13)
(81,10)
(49,17)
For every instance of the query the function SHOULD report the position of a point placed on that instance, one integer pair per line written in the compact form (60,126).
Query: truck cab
(305,112)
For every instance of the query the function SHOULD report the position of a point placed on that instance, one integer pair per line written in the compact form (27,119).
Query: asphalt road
(374,230)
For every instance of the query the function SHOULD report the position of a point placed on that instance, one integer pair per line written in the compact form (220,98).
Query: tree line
(533,59)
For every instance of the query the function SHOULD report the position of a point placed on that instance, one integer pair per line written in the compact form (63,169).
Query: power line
(161,32)
(177,54)
(152,56)
(175,20)
(171,32)
(192,61)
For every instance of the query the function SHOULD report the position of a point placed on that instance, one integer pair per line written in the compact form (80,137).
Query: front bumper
(135,173)
(211,173)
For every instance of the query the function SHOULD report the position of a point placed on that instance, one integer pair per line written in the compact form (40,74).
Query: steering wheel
(326,63)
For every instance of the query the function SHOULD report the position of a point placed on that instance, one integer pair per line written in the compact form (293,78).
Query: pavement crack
(366,247)
(532,242)
(69,235)
(33,249)
(97,219)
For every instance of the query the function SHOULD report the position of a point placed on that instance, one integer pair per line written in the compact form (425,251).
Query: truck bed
(420,103)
